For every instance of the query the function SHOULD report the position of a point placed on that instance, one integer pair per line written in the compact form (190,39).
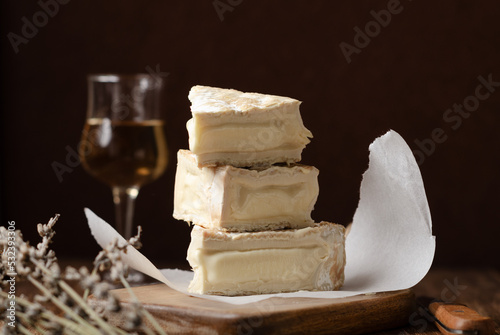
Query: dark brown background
(428,58)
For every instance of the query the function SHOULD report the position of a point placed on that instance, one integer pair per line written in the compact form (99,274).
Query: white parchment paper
(390,246)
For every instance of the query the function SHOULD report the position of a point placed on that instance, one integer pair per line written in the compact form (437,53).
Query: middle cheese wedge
(224,263)
(237,199)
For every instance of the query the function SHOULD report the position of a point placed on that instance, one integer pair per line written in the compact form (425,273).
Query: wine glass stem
(124,199)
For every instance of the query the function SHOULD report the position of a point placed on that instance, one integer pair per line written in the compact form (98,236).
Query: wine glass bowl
(124,153)
(123,140)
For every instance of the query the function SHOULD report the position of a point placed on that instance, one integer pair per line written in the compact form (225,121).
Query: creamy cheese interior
(271,203)
(245,137)
(266,265)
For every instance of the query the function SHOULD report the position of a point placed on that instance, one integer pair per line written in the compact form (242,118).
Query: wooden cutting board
(183,314)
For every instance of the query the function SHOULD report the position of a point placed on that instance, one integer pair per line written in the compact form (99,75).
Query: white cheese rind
(237,199)
(224,263)
(230,127)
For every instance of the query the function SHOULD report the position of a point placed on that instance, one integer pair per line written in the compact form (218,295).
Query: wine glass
(123,141)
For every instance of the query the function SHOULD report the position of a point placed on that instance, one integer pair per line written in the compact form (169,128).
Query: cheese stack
(250,202)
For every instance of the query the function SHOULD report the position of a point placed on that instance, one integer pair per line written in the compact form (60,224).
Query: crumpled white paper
(390,246)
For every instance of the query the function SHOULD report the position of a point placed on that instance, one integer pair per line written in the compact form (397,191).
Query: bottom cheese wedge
(228,263)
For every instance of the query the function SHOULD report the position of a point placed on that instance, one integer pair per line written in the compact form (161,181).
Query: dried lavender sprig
(63,307)
(49,315)
(111,255)
(40,263)
(66,288)
(44,314)
(68,325)
(148,315)
(23,330)
(47,233)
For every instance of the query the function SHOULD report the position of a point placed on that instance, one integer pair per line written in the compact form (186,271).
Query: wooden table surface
(477,288)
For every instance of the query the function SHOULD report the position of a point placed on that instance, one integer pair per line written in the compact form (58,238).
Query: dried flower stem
(70,325)
(64,308)
(86,292)
(74,328)
(81,302)
(86,308)
(44,323)
(148,315)
(39,266)
(46,314)
(23,330)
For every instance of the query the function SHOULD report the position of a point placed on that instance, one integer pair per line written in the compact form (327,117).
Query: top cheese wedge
(230,127)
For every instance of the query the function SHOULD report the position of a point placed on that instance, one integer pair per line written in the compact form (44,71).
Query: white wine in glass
(123,140)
